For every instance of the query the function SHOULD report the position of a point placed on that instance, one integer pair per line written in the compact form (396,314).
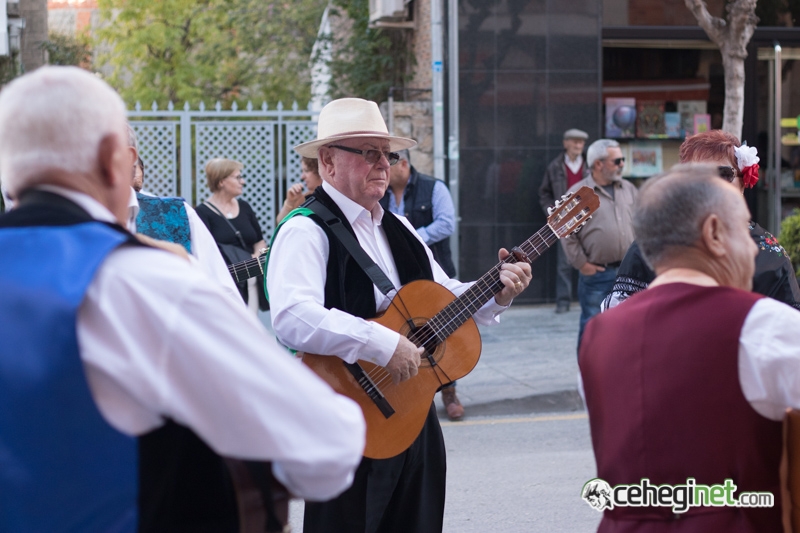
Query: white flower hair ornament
(747,161)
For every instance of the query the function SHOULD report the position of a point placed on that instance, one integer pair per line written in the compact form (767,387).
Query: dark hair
(312,164)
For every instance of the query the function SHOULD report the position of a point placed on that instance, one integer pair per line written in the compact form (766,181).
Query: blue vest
(165,219)
(62,466)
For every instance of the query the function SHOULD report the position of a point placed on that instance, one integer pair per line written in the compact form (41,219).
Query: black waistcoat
(348,287)
(418,207)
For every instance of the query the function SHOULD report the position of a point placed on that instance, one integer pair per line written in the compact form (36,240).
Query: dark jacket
(418,202)
(554,183)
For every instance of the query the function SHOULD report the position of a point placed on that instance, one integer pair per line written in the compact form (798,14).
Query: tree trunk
(733,111)
(732,37)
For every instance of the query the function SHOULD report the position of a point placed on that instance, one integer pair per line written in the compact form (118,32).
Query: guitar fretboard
(449,319)
(248,269)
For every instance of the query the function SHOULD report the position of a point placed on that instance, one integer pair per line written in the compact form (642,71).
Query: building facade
(530,69)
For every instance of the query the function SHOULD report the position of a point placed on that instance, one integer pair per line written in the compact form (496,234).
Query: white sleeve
(296,281)
(159,341)
(769,358)
(205,249)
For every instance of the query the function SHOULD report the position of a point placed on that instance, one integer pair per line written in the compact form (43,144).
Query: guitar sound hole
(422,336)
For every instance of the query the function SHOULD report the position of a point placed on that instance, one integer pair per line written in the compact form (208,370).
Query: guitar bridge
(371,390)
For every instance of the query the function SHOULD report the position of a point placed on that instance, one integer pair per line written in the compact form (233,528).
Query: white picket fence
(176,144)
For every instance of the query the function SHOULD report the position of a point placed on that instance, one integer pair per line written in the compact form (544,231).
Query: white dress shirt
(159,340)
(204,248)
(296,281)
(769,358)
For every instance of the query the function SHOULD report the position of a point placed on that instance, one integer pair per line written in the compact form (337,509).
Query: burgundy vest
(662,387)
(573,177)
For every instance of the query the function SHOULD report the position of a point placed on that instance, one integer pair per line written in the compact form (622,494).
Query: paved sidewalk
(528,364)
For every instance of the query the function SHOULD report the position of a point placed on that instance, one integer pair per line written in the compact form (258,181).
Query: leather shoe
(451,404)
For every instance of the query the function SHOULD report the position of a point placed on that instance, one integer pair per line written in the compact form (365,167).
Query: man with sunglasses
(736,163)
(597,250)
(320,299)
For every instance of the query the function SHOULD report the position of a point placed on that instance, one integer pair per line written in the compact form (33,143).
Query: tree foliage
(368,61)
(68,50)
(9,67)
(790,238)
(209,50)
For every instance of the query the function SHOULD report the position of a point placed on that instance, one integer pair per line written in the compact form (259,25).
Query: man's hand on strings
(515,278)
(405,361)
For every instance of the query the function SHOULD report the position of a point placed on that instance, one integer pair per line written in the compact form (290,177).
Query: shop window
(654,97)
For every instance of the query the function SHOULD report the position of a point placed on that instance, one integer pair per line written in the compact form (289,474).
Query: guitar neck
(449,319)
(247,269)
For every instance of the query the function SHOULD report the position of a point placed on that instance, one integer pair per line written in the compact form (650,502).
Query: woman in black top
(232,221)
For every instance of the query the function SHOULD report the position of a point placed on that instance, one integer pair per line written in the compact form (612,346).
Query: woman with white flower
(737,163)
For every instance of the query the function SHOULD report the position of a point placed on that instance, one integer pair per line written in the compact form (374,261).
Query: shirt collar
(351,209)
(95,209)
(133,211)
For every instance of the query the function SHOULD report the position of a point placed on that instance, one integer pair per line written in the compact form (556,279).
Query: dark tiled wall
(529,69)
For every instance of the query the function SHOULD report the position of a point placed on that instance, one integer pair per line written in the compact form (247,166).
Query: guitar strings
(486,289)
(434,325)
(483,284)
(406,314)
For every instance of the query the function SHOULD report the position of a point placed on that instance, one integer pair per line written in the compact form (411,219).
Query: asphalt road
(515,474)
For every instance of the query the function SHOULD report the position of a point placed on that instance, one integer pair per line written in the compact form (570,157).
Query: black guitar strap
(351,244)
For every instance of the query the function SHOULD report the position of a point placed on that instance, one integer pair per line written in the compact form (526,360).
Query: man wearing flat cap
(320,299)
(562,173)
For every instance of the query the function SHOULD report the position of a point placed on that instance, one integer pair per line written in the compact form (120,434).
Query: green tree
(68,50)
(209,50)
(369,60)
(790,238)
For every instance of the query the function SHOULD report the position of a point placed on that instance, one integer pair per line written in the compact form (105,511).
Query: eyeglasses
(140,164)
(238,178)
(618,161)
(727,173)
(371,156)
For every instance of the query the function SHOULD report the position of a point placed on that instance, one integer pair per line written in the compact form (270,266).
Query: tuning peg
(581,225)
(550,210)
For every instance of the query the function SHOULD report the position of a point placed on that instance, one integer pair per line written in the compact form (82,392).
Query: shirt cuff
(490,312)
(381,345)
(424,234)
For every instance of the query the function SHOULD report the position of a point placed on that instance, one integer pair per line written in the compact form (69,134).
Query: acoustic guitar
(249,268)
(431,316)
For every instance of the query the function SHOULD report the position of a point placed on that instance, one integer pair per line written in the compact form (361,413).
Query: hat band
(352,133)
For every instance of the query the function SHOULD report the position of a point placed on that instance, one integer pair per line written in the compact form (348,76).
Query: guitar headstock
(572,211)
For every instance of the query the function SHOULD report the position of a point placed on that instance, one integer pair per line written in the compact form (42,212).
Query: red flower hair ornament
(747,161)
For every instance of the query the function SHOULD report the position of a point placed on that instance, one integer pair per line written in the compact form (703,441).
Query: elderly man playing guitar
(320,299)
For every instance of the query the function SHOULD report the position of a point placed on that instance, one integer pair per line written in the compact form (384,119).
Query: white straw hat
(351,118)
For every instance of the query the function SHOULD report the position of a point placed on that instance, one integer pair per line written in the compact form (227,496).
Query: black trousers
(403,494)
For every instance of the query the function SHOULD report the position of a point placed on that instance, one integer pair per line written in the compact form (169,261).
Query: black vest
(348,287)
(418,204)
